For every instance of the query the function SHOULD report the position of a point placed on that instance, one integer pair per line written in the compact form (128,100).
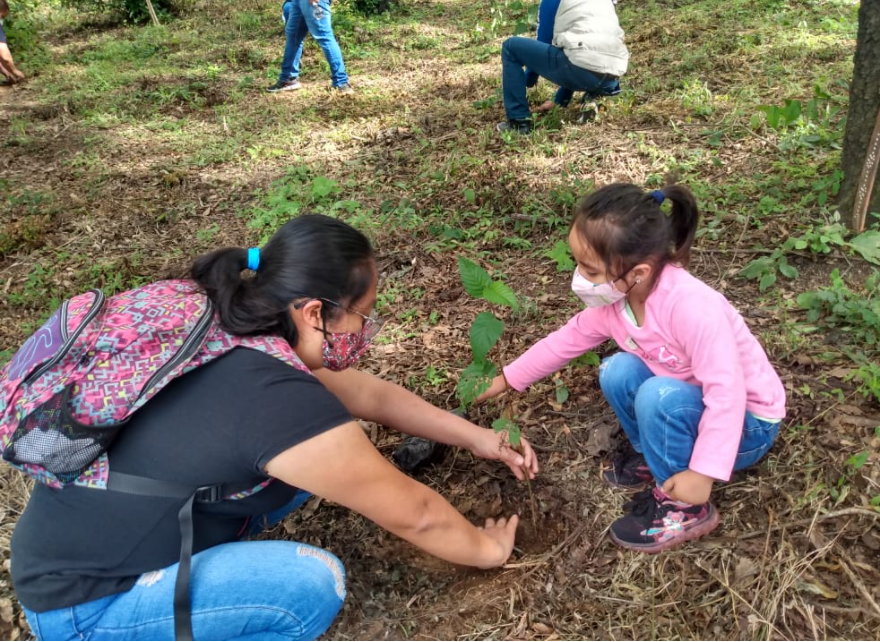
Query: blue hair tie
(253,258)
(658,196)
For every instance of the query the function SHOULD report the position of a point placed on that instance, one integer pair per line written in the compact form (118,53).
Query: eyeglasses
(371,325)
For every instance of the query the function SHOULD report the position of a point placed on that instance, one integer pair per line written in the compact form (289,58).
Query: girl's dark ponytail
(684,219)
(310,256)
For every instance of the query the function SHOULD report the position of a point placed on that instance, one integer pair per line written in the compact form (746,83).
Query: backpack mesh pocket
(51,438)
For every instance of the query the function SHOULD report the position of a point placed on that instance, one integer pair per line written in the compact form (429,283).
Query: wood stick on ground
(846,563)
(864,512)
(152,11)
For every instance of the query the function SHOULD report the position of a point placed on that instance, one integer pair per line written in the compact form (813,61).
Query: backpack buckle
(209,494)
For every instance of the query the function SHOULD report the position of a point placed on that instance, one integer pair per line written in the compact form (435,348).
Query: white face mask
(595,295)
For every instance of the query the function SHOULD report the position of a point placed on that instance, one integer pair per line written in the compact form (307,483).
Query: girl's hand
(489,444)
(546,106)
(503,533)
(499,385)
(689,487)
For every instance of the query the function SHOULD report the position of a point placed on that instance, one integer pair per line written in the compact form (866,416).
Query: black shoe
(287,85)
(630,472)
(517,126)
(657,523)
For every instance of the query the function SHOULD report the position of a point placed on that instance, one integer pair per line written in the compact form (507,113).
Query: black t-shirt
(220,423)
(2,34)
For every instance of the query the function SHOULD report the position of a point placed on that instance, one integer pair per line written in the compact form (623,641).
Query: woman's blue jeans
(548,62)
(660,416)
(264,590)
(305,18)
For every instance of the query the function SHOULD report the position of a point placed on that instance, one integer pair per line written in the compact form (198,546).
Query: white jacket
(590,34)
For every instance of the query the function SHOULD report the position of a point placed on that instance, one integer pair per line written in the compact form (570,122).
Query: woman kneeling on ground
(102,565)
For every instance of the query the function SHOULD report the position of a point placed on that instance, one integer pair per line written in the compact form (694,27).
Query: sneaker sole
(657,547)
(283,89)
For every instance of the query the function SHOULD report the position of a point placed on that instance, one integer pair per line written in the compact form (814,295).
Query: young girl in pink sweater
(692,387)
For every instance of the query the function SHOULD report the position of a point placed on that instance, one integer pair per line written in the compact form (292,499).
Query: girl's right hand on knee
(499,385)
(503,534)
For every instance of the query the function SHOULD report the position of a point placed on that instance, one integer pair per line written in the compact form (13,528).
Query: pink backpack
(76,381)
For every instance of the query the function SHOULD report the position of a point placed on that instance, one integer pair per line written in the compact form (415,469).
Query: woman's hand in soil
(499,385)
(544,107)
(489,444)
(689,486)
(503,534)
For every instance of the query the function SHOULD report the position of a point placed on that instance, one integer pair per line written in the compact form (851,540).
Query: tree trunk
(864,104)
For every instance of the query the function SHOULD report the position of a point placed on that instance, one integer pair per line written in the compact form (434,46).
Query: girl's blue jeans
(660,416)
(262,590)
(548,62)
(304,18)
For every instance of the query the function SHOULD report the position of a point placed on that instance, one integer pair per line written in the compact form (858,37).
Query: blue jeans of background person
(660,416)
(549,62)
(301,21)
(264,590)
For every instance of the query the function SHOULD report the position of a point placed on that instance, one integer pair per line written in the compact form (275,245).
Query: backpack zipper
(97,304)
(187,350)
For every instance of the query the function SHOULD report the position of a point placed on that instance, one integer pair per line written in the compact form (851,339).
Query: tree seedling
(484,334)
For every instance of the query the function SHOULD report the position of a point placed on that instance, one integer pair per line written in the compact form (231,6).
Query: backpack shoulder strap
(137,485)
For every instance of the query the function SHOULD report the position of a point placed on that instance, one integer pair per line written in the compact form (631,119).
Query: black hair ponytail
(310,256)
(684,220)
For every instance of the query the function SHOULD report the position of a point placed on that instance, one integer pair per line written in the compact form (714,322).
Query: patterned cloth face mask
(342,350)
(595,295)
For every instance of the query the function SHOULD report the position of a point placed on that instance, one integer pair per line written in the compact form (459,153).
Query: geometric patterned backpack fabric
(72,386)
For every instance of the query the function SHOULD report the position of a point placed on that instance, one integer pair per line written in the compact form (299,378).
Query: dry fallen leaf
(5,609)
(745,568)
(818,588)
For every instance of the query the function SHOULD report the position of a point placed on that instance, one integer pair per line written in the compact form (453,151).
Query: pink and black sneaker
(629,472)
(656,522)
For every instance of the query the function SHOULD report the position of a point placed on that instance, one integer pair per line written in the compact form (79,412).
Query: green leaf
(561,254)
(858,460)
(474,278)
(587,359)
(323,186)
(755,122)
(562,393)
(868,245)
(469,195)
(766,281)
(792,111)
(500,293)
(474,381)
(514,434)
(787,270)
(757,267)
(806,300)
(485,331)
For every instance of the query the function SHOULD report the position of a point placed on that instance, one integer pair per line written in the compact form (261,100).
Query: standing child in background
(303,17)
(579,47)
(692,388)
(7,65)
